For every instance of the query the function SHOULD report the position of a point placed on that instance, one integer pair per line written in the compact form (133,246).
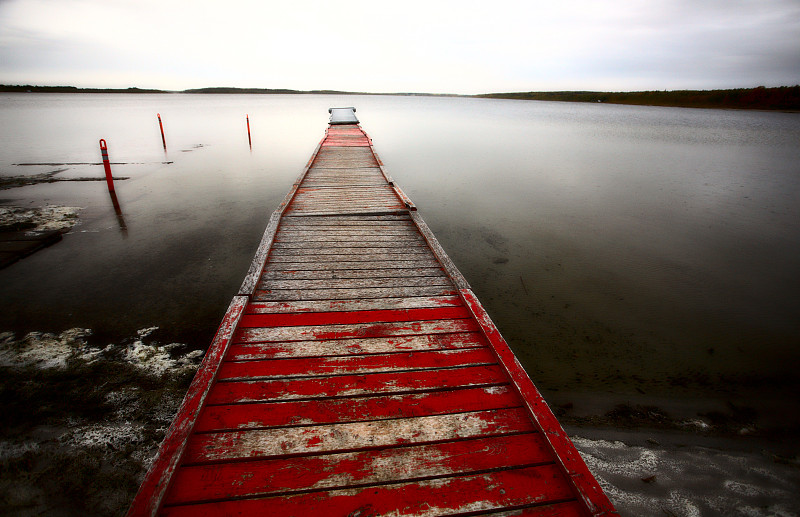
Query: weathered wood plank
(351,190)
(379,185)
(358,227)
(343,181)
(368,170)
(234,392)
(346,162)
(349,220)
(362,180)
(354,283)
(355,409)
(348,436)
(336,190)
(344,141)
(361,194)
(354,212)
(352,294)
(343,202)
(345,207)
(351,273)
(328,196)
(356,181)
(254,478)
(350,318)
(317,348)
(364,330)
(369,239)
(398,256)
(348,247)
(289,264)
(354,364)
(351,247)
(368,229)
(441,496)
(353,305)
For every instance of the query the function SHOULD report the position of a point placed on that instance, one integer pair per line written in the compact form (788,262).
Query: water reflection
(618,248)
(123,228)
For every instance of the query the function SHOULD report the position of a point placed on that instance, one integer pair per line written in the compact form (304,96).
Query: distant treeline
(223,89)
(781,98)
(71,89)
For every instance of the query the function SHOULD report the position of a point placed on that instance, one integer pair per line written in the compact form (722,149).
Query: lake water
(626,253)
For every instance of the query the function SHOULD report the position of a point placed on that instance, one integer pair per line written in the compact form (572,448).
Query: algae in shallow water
(82,423)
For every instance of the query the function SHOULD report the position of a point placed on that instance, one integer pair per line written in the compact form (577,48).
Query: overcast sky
(402,46)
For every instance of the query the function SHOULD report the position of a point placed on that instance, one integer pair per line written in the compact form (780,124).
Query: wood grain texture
(354,364)
(244,351)
(355,409)
(345,470)
(236,392)
(439,496)
(353,305)
(287,441)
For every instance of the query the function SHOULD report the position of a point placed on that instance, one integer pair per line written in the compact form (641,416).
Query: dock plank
(259,478)
(342,347)
(420,272)
(350,436)
(353,305)
(234,392)
(366,316)
(354,364)
(353,294)
(360,331)
(355,409)
(440,496)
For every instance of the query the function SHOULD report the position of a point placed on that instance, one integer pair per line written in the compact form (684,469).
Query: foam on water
(691,481)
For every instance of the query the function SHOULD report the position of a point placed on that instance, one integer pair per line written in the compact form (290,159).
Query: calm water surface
(623,251)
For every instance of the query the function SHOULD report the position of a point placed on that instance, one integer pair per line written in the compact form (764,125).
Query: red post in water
(106,165)
(160,125)
(249,140)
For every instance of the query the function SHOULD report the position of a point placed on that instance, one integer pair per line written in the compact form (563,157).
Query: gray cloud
(447,46)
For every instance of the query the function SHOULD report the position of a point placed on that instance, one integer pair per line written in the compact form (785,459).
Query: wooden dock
(356,374)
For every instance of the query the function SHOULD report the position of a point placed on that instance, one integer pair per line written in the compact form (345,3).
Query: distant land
(784,98)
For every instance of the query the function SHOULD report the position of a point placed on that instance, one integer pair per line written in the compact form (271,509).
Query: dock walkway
(356,374)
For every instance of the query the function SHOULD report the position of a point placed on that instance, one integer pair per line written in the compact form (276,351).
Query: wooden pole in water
(160,125)
(106,165)
(249,140)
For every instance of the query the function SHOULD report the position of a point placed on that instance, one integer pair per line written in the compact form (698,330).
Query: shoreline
(776,99)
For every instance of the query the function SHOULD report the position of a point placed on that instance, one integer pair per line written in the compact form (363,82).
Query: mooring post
(160,125)
(249,140)
(106,165)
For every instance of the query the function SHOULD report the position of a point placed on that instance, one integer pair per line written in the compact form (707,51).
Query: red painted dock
(356,374)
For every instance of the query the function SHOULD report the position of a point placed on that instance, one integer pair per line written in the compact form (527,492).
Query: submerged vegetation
(785,98)
(82,421)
